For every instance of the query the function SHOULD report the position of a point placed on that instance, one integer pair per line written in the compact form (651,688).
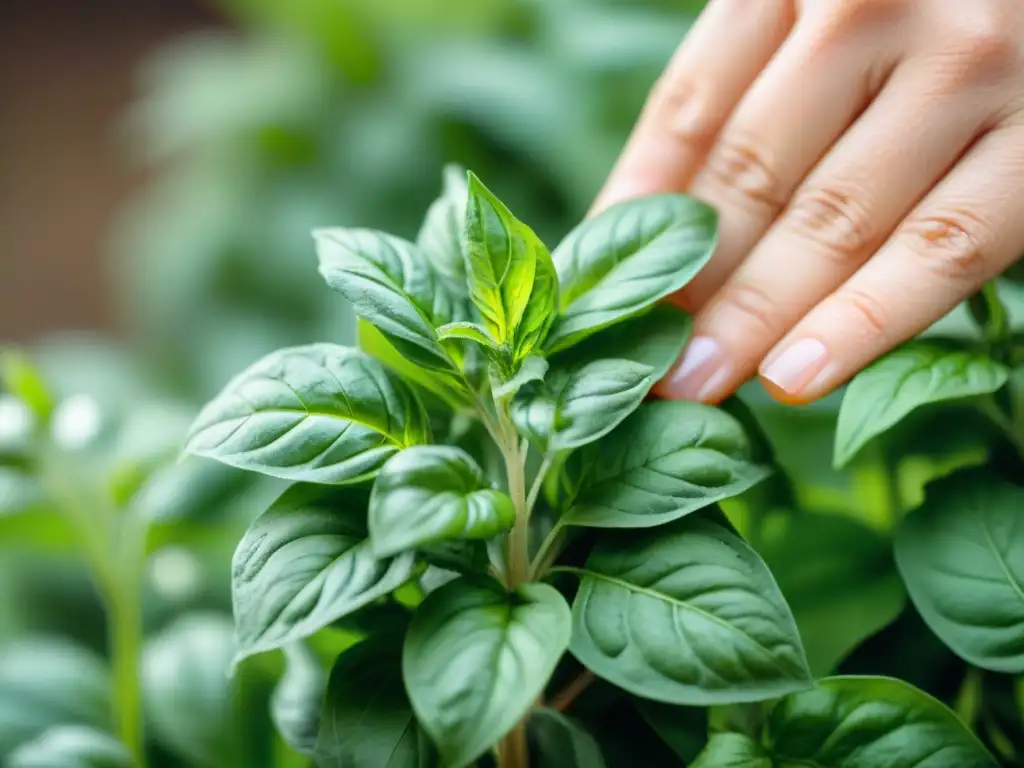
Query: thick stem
(519,538)
(513,751)
(124,621)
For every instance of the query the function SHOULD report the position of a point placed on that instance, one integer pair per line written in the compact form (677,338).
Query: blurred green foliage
(329,113)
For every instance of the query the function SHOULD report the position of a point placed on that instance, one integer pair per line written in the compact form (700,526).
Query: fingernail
(703,371)
(797,365)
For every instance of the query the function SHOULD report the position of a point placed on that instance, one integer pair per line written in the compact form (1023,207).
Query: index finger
(726,49)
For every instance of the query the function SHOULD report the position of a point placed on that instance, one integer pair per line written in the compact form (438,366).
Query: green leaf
(376,345)
(531,369)
(305,563)
(684,729)
(441,233)
(961,555)
(71,746)
(21,378)
(476,659)
(868,722)
(431,493)
(512,279)
(914,375)
(617,264)
(734,750)
(297,699)
(367,720)
(686,614)
(666,460)
(319,413)
(45,682)
(562,743)
(392,284)
(575,407)
(655,339)
(466,331)
(840,580)
(188,696)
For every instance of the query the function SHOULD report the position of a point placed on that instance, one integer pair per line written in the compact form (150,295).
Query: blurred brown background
(67,71)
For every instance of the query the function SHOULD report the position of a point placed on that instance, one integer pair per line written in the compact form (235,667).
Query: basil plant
(485,495)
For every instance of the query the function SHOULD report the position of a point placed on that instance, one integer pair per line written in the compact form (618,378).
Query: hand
(866,158)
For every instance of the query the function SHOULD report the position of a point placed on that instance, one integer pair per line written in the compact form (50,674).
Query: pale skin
(866,158)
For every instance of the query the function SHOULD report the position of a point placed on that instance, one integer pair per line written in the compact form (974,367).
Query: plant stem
(568,695)
(538,481)
(548,550)
(512,751)
(519,538)
(124,623)
(114,545)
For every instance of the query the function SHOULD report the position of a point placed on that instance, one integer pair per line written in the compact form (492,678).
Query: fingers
(840,215)
(811,92)
(727,47)
(966,231)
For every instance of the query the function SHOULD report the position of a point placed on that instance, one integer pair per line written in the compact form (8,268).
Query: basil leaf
(367,721)
(188,696)
(477,658)
(46,682)
(617,264)
(532,369)
(686,614)
(733,750)
(392,284)
(575,407)
(914,375)
(655,339)
(512,279)
(562,743)
(840,580)
(666,460)
(319,413)
(71,746)
(866,722)
(466,331)
(441,233)
(305,563)
(297,699)
(445,386)
(430,493)
(961,555)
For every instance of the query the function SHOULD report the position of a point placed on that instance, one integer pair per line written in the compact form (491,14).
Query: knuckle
(675,107)
(951,243)
(738,165)
(752,302)
(984,47)
(832,218)
(863,308)
(848,18)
